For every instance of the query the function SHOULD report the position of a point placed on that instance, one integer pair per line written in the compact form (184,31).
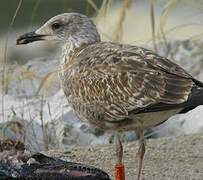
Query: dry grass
(35,7)
(162,34)
(119,30)
(159,33)
(5,59)
(47,81)
(152,19)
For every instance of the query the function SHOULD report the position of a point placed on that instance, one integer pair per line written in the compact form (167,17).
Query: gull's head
(69,29)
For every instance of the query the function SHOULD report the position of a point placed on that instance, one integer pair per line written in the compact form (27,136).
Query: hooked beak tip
(29,37)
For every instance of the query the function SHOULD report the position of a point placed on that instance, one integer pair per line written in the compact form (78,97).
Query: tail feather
(195,99)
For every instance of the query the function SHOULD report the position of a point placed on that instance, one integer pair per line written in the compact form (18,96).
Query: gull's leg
(119,167)
(119,149)
(141,153)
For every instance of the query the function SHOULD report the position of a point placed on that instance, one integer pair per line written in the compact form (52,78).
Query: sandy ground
(174,158)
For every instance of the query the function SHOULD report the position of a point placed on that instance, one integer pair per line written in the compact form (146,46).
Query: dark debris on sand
(16,163)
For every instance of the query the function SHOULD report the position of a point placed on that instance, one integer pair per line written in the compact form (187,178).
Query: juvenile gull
(115,86)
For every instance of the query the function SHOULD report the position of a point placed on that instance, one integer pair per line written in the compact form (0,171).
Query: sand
(171,158)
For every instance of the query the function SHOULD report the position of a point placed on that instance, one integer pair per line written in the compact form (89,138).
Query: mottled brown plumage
(115,86)
(109,85)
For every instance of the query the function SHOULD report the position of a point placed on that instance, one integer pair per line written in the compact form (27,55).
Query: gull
(116,87)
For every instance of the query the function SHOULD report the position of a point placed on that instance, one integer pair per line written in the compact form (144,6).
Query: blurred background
(34,12)
(126,21)
(34,109)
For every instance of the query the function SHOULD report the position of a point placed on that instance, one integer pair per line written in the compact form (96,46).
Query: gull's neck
(79,41)
(72,46)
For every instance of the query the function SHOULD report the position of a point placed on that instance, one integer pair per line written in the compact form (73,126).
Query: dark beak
(29,37)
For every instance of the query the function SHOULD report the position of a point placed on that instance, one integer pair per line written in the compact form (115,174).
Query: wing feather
(123,78)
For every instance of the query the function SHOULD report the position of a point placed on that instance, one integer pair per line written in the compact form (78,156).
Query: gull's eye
(56,26)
